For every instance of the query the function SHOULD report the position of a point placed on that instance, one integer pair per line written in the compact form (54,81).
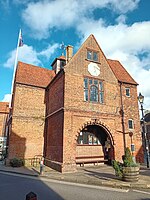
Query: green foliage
(118,168)
(127,162)
(16,162)
(127,158)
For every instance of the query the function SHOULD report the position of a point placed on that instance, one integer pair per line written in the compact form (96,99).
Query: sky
(122,29)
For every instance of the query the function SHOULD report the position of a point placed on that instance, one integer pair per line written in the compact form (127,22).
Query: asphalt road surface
(16,187)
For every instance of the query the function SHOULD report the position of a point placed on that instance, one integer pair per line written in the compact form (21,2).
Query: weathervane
(62,47)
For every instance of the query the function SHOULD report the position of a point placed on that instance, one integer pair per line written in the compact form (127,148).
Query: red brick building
(26,137)
(82,111)
(4,111)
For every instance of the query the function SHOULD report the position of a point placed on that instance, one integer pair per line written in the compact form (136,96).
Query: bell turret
(58,63)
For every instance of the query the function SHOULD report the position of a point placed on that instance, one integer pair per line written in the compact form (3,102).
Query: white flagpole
(15,67)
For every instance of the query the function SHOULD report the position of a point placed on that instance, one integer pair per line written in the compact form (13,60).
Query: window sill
(93,61)
(94,102)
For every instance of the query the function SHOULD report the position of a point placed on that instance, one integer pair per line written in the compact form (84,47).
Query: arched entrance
(95,144)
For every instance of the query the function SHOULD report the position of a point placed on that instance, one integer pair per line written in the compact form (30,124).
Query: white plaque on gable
(94,69)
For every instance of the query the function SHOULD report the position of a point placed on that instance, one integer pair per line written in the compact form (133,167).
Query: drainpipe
(122,117)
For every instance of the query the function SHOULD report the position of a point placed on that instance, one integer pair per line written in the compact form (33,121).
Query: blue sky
(122,29)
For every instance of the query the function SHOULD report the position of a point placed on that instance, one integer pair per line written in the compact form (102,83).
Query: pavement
(101,175)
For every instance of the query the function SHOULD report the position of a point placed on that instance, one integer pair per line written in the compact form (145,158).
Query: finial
(62,47)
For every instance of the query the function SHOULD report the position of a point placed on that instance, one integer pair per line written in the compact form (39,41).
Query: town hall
(82,111)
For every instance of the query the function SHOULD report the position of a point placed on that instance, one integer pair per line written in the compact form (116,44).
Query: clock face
(94,69)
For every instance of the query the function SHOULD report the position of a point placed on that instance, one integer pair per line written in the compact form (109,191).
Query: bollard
(41,167)
(31,196)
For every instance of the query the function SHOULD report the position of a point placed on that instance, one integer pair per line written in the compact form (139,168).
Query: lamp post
(132,146)
(144,134)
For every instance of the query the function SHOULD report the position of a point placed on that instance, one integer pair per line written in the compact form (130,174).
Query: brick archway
(95,143)
(100,124)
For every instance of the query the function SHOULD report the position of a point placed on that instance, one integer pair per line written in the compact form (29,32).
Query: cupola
(58,63)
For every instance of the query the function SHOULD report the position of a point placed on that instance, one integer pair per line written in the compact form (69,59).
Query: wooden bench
(81,160)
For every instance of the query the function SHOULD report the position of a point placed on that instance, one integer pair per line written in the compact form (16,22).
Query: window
(130,124)
(128,92)
(92,55)
(89,55)
(86,89)
(93,90)
(95,56)
(88,138)
(94,93)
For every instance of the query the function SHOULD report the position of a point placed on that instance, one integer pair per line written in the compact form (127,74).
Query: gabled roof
(33,75)
(4,107)
(120,72)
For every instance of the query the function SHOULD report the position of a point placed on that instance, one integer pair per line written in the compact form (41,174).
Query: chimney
(69,53)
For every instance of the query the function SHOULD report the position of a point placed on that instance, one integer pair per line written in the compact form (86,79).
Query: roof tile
(33,75)
(120,72)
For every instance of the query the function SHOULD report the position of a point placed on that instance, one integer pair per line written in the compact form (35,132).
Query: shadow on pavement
(15,185)
(99,175)
(145,171)
(145,199)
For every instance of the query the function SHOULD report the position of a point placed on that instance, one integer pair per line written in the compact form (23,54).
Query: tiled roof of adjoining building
(120,72)
(4,107)
(32,75)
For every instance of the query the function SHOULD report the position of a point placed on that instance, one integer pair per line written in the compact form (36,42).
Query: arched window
(93,90)
(94,93)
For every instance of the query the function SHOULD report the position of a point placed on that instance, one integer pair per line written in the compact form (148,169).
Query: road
(15,187)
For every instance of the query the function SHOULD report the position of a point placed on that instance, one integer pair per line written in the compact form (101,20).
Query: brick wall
(27,133)
(131,111)
(55,94)
(89,150)
(3,117)
(4,111)
(54,122)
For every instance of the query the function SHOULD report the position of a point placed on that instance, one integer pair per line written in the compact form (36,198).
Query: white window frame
(92,57)
(126,91)
(132,124)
